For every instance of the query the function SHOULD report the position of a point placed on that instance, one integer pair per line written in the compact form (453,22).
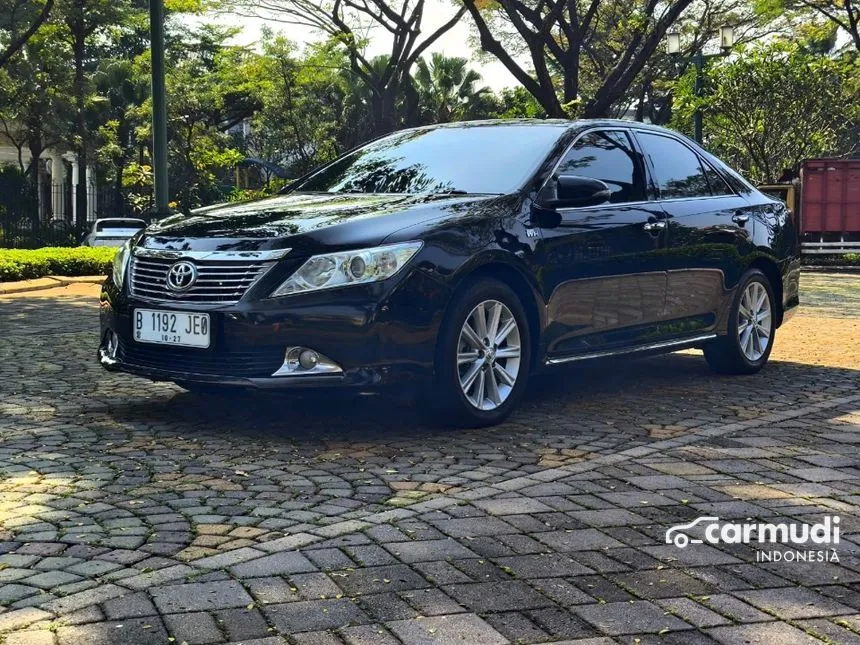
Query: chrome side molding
(680,342)
(165,254)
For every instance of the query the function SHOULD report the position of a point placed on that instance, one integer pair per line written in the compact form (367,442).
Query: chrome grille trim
(220,281)
(226,256)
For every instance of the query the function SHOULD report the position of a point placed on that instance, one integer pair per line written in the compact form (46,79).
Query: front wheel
(751,329)
(483,356)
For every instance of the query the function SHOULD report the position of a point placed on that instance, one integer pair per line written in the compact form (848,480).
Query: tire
(504,363)
(744,349)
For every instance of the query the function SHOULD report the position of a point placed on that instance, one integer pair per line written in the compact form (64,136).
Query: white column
(58,198)
(75,178)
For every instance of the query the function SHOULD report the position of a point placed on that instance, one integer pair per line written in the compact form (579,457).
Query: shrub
(844,260)
(24,264)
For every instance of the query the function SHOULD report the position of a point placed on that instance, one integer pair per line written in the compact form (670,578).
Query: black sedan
(459,259)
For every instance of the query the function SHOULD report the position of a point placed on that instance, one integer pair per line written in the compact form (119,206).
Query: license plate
(182,328)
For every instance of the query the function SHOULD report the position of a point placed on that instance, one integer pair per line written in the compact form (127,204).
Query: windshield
(467,159)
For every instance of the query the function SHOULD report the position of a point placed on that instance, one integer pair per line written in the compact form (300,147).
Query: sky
(456,42)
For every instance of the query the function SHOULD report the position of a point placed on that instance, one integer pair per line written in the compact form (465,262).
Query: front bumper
(378,335)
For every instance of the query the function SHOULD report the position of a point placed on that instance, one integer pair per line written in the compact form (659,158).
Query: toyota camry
(459,260)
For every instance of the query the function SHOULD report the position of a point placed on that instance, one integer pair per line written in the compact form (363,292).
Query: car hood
(307,222)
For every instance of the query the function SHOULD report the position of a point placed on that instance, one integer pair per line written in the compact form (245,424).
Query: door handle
(740,218)
(654,226)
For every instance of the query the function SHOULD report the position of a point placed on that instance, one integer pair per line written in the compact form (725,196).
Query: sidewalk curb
(48,282)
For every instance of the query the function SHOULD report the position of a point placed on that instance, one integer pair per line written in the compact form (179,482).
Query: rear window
(107,225)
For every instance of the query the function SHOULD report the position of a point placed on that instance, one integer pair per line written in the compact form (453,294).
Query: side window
(718,184)
(609,157)
(678,172)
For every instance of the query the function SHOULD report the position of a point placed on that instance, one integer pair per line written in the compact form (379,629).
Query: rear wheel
(751,329)
(483,356)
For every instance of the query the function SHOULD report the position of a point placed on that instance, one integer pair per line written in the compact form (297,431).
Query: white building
(56,180)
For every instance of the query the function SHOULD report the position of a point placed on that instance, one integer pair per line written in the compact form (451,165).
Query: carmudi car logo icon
(798,537)
(676,536)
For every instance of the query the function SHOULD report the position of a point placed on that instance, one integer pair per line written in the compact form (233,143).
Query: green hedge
(24,264)
(844,260)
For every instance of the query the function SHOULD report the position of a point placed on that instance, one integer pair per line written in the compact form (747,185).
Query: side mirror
(575,190)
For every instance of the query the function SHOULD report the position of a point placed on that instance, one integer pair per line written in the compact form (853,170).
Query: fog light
(309,359)
(301,361)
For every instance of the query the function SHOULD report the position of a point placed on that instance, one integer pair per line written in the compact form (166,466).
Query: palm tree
(446,88)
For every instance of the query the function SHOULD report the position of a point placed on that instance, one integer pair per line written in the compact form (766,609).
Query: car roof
(559,123)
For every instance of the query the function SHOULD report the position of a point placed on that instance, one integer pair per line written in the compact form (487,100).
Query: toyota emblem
(181,276)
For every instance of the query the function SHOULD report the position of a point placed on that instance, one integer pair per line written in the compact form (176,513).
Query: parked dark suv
(461,257)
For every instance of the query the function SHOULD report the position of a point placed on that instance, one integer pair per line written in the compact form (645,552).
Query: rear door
(602,270)
(709,232)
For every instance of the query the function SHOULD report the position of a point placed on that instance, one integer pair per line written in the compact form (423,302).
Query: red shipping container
(830,196)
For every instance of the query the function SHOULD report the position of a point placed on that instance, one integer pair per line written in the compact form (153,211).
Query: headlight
(350,267)
(120,262)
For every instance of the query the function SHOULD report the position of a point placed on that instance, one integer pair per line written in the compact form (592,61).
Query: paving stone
(794,602)
(203,596)
(619,618)
(317,638)
(544,565)
(140,631)
(561,623)
(134,605)
(367,635)
(283,563)
(517,628)
(692,612)
(13,592)
(30,638)
(446,630)
(385,579)
(314,615)
(271,590)
(512,506)
(195,628)
(386,606)
(242,623)
(772,633)
(20,618)
(429,550)
(431,602)
(577,540)
(514,595)
(665,583)
(473,526)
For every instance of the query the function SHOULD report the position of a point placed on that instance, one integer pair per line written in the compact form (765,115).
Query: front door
(603,276)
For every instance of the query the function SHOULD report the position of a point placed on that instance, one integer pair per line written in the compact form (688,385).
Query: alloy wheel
(488,355)
(755,322)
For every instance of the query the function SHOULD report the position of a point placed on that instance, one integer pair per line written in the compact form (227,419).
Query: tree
(561,36)
(844,14)
(35,110)
(447,88)
(19,22)
(773,106)
(212,88)
(345,21)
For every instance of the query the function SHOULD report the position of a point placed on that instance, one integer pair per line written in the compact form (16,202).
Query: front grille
(218,281)
(250,362)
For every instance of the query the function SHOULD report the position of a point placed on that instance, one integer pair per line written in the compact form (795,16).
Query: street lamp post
(159,109)
(673,47)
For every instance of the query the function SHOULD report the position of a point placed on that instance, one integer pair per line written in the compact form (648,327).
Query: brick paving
(134,513)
